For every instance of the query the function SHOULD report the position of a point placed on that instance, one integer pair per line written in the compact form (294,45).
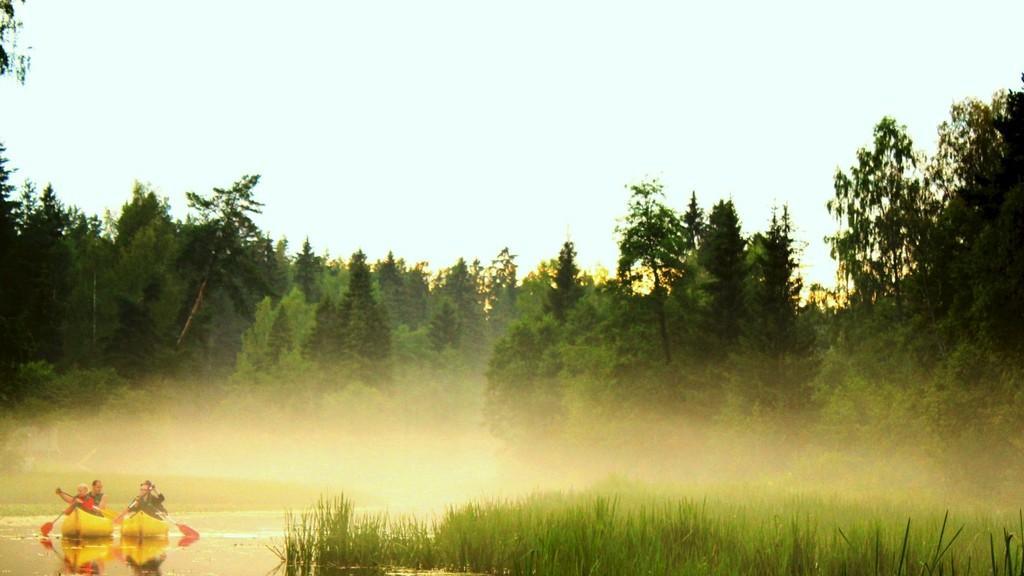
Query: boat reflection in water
(143,557)
(89,556)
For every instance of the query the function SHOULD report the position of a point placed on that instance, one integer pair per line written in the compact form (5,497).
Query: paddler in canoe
(83,518)
(84,500)
(148,516)
(149,500)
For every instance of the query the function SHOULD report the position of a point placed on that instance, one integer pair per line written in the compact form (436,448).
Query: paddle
(46,528)
(186,531)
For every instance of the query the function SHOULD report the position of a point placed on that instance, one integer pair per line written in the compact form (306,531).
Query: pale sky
(445,129)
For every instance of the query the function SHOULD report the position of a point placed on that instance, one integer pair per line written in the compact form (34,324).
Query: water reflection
(143,557)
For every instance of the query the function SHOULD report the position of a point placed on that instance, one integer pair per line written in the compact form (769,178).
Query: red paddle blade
(188,532)
(45,528)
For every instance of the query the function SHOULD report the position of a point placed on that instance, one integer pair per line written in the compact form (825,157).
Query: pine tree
(444,327)
(460,286)
(11,291)
(391,279)
(566,289)
(42,245)
(694,224)
(722,255)
(502,291)
(308,268)
(777,297)
(363,322)
(328,340)
(145,284)
(417,295)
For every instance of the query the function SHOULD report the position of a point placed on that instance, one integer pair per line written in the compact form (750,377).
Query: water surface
(230,544)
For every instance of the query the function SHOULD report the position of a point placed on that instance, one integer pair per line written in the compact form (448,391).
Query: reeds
(596,534)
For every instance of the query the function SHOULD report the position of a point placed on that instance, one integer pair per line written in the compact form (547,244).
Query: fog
(425,446)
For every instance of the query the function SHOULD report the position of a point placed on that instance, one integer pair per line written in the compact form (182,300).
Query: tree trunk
(195,310)
(659,303)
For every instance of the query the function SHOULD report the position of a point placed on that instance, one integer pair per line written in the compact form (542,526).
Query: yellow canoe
(81,524)
(141,525)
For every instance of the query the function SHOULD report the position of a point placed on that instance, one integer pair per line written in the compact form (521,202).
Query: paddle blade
(188,532)
(46,528)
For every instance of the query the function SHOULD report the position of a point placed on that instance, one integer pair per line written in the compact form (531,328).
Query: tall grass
(594,534)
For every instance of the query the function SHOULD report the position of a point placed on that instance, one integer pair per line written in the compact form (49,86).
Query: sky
(455,128)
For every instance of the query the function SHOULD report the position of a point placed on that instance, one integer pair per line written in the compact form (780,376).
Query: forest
(917,347)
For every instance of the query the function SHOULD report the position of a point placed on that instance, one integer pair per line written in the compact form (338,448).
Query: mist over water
(422,447)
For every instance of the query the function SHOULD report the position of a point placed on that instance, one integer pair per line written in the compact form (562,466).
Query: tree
(444,327)
(502,289)
(969,154)
(461,286)
(883,209)
(11,60)
(694,224)
(135,341)
(722,255)
(650,249)
(364,325)
(391,279)
(777,294)
(416,298)
(308,268)
(565,290)
(327,342)
(219,250)
(146,284)
(11,292)
(42,245)
(280,337)
(91,313)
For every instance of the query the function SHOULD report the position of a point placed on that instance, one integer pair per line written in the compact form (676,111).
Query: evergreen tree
(777,295)
(416,282)
(11,288)
(308,268)
(722,255)
(444,327)
(565,289)
(42,245)
(146,285)
(363,322)
(136,341)
(327,342)
(694,224)
(280,280)
(460,286)
(391,279)
(223,259)
(502,291)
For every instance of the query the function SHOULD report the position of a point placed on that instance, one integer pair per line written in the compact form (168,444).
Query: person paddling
(99,499)
(149,500)
(83,500)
